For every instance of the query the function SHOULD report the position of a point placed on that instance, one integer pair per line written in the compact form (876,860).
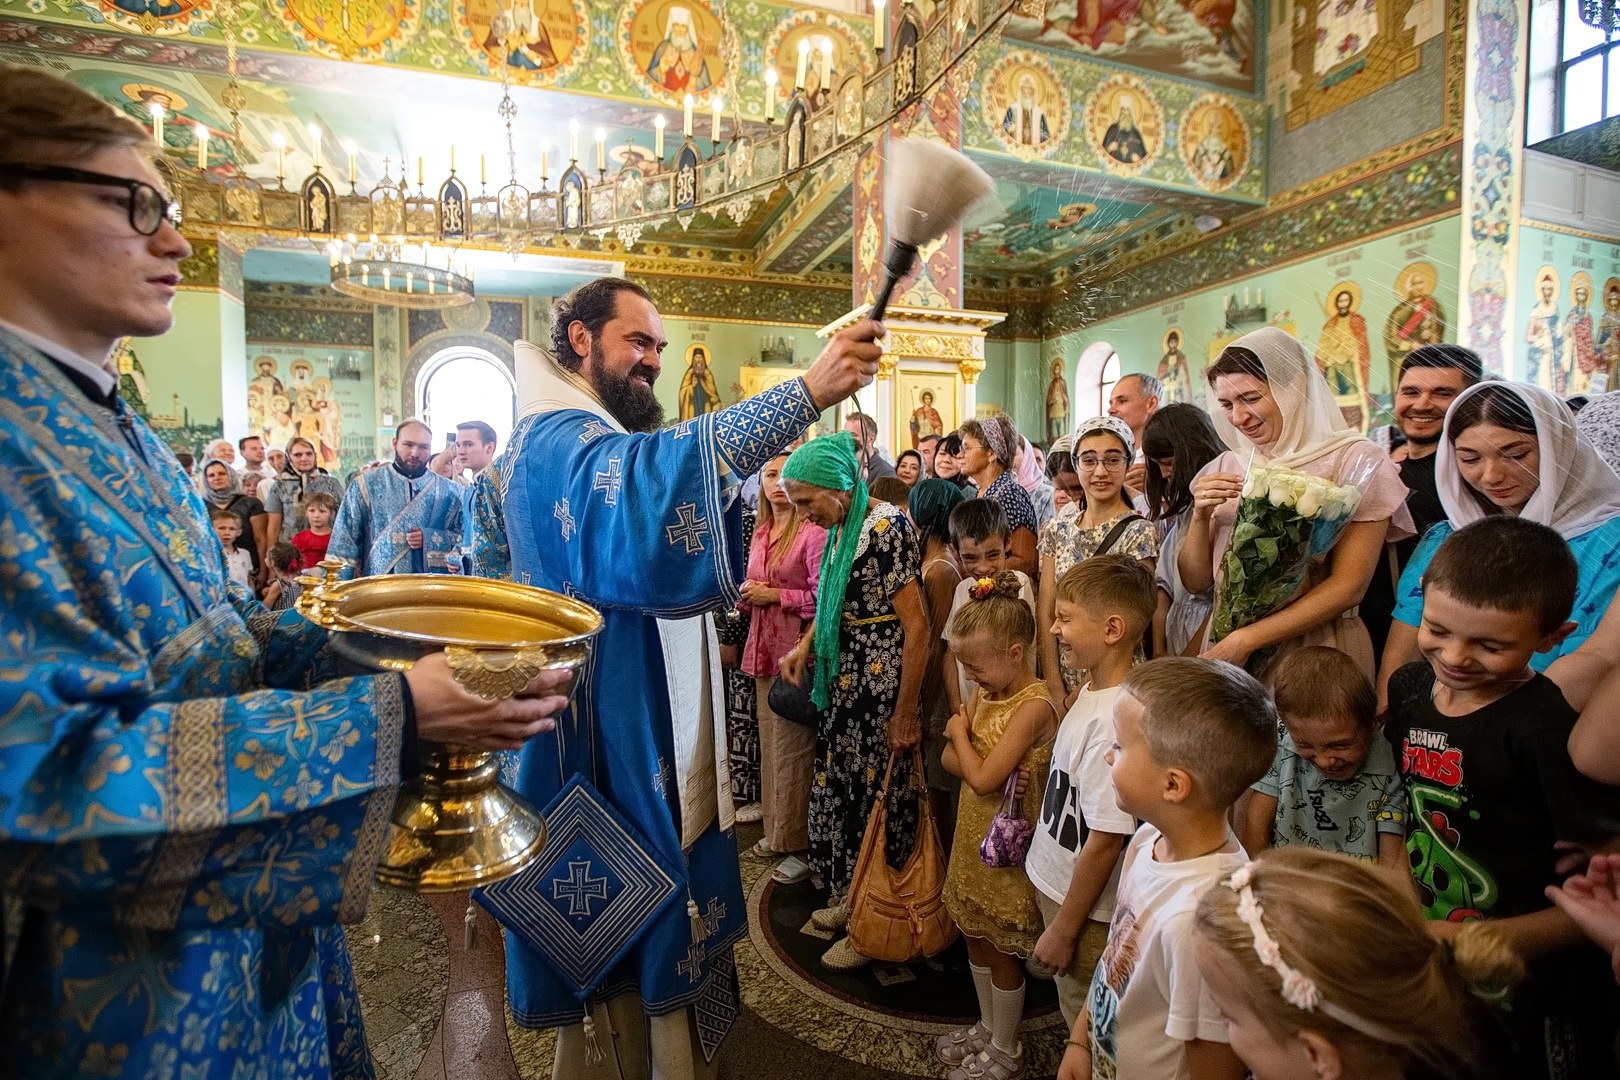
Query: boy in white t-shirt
(979,536)
(1103,606)
(1190,736)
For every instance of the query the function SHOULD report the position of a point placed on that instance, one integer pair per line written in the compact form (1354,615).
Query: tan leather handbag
(899,915)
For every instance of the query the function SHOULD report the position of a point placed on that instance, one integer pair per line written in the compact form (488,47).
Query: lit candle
(452,157)
(601,150)
(770,94)
(804,58)
(880,23)
(348,146)
(658,136)
(202,147)
(315,140)
(157,110)
(826,64)
(419,170)
(716,103)
(573,140)
(281,155)
(542,164)
(686,127)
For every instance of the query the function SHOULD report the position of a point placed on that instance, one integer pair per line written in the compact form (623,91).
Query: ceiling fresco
(1211,41)
(1090,158)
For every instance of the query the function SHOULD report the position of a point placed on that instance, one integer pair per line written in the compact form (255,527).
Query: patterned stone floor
(413,970)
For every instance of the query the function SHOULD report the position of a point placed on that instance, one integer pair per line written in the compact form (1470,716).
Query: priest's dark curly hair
(592,304)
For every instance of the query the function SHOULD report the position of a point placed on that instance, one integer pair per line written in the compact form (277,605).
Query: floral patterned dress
(852,749)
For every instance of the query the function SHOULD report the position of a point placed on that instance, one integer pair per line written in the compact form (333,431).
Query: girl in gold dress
(1007,725)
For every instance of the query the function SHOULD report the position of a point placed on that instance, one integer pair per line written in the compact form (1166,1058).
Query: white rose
(1253,485)
(1282,492)
(1310,502)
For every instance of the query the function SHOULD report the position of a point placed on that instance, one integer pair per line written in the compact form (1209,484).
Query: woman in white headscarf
(1272,407)
(1514,448)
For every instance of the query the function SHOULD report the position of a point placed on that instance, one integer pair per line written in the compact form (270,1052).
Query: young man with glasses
(190,803)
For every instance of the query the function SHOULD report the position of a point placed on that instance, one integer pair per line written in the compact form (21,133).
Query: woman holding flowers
(1330,497)
(1513,448)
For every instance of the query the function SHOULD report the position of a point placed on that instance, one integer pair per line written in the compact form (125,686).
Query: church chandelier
(822,131)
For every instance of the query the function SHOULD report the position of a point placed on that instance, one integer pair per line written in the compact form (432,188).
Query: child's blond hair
(1207,718)
(995,608)
(1112,585)
(1354,930)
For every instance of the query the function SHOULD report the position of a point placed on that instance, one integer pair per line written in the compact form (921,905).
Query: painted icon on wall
(544,40)
(359,30)
(1057,403)
(1025,104)
(1175,377)
(1608,340)
(302,404)
(1580,343)
(1418,318)
(699,394)
(1543,336)
(1125,125)
(1343,354)
(672,47)
(1214,140)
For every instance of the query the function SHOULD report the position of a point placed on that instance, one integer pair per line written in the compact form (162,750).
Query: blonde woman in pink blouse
(784,566)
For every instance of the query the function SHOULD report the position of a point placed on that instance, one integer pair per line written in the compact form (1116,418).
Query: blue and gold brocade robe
(380,507)
(183,819)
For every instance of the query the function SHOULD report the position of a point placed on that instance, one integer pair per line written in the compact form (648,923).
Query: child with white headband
(1324,969)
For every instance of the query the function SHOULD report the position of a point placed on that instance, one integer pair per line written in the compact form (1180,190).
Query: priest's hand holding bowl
(448,712)
(848,363)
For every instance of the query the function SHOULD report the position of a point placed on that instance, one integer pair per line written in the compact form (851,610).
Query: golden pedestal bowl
(455,826)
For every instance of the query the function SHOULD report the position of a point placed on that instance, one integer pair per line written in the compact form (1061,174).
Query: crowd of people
(1262,848)
(278,513)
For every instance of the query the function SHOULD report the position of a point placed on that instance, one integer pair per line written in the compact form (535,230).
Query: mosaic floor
(876,1024)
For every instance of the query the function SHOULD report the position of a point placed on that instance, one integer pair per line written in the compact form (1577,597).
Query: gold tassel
(700,929)
(593,1048)
(469,927)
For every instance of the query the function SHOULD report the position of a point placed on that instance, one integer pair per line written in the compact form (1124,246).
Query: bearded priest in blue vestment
(399,518)
(591,498)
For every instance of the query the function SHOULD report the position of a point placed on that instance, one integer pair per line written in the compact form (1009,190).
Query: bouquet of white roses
(1285,519)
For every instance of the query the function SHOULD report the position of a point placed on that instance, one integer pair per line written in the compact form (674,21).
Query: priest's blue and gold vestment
(646,528)
(381,506)
(184,821)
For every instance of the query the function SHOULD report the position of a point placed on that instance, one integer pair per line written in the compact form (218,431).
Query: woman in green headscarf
(863,660)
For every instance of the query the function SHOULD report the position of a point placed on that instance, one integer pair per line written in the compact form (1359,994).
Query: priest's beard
(409,472)
(635,407)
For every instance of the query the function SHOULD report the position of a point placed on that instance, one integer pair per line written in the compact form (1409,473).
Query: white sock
(1007,1010)
(984,987)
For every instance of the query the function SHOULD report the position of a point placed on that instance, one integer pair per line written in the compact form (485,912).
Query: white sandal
(790,871)
(991,1064)
(955,1047)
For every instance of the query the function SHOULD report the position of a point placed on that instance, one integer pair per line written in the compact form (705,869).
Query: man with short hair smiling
(255,470)
(1430,377)
(400,518)
(591,499)
(191,802)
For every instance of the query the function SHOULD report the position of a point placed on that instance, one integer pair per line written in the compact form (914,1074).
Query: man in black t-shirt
(1482,744)
(1430,378)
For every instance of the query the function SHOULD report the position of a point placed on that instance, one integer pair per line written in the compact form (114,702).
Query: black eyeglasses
(147,206)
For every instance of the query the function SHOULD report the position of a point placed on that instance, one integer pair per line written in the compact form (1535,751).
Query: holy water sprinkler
(929,188)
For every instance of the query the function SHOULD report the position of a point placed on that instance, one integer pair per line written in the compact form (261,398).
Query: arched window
(1105,385)
(463,384)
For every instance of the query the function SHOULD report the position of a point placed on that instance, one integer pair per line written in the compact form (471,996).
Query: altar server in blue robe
(592,499)
(191,801)
(400,518)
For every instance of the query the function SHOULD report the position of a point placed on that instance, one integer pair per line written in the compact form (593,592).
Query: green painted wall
(1295,297)
(731,346)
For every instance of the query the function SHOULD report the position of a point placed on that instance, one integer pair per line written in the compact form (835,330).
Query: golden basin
(455,826)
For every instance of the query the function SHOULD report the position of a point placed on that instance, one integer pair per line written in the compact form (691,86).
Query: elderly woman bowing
(866,654)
